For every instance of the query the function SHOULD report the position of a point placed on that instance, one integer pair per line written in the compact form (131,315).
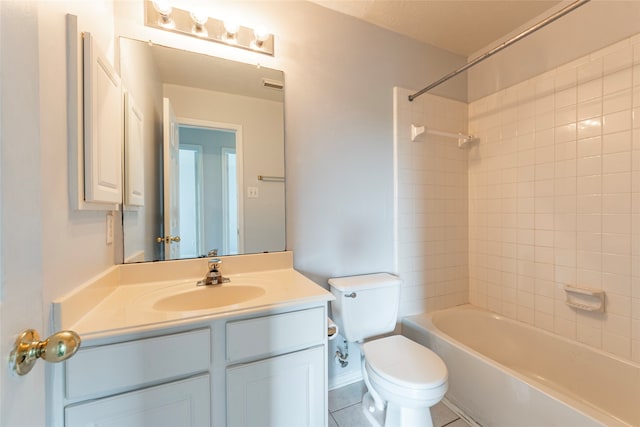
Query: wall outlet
(252,192)
(109,228)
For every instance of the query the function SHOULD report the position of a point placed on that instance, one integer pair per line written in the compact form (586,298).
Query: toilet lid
(405,362)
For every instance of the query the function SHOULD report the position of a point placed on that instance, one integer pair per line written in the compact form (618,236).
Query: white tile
(565,328)
(441,415)
(590,336)
(593,126)
(616,122)
(616,223)
(589,242)
(616,163)
(566,97)
(590,70)
(619,57)
(591,184)
(589,90)
(617,102)
(617,143)
(544,321)
(589,260)
(590,146)
(351,416)
(589,204)
(589,166)
(616,344)
(617,81)
(617,304)
(618,244)
(346,396)
(589,109)
(616,183)
(616,264)
(544,120)
(619,203)
(589,278)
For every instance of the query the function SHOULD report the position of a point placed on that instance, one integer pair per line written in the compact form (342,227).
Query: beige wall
(74,242)
(339,75)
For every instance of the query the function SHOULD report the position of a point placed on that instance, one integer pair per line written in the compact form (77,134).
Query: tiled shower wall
(432,204)
(554,198)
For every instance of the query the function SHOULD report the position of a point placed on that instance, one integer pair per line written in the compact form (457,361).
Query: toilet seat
(403,369)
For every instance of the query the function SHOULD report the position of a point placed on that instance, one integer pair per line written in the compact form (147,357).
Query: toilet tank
(365,305)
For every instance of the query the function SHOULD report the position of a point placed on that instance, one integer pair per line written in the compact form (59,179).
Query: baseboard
(344,380)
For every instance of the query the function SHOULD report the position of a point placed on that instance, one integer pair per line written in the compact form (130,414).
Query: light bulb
(261,34)
(232,27)
(163,7)
(199,17)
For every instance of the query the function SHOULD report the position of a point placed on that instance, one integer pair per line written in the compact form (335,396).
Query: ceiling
(459,26)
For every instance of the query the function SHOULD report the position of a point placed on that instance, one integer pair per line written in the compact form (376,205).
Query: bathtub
(506,373)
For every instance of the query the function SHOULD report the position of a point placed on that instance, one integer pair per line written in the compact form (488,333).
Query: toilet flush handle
(351,295)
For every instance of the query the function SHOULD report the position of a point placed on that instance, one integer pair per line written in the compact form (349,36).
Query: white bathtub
(506,373)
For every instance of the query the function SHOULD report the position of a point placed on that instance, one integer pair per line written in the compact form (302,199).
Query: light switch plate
(109,228)
(252,192)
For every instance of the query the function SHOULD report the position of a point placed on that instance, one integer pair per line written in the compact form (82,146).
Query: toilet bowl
(410,378)
(403,378)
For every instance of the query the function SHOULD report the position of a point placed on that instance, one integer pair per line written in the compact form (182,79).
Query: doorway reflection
(208,191)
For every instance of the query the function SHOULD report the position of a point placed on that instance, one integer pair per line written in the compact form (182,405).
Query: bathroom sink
(207,297)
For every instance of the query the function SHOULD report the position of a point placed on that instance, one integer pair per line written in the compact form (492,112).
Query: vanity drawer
(108,369)
(276,334)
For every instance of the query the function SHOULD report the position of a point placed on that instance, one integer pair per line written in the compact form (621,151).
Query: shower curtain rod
(525,33)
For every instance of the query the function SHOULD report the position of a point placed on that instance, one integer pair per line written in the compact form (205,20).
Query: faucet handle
(213,263)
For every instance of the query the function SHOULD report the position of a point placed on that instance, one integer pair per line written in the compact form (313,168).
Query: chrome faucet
(213,276)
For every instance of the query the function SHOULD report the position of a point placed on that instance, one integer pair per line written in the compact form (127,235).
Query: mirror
(204,155)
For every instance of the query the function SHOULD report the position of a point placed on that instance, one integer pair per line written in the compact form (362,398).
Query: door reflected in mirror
(211,128)
(208,203)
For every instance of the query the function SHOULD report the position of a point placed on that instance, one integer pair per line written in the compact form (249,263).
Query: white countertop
(130,307)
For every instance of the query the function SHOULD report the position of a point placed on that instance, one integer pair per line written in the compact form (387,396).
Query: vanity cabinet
(279,391)
(183,403)
(287,389)
(159,381)
(257,369)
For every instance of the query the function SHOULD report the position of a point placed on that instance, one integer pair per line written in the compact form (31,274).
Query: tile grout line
(450,422)
(348,406)
(334,419)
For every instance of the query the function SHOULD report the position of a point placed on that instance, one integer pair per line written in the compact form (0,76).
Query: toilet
(404,379)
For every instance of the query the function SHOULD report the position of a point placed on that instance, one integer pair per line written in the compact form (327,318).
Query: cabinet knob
(28,349)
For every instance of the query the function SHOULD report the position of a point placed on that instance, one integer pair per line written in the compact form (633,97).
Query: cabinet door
(134,153)
(181,403)
(282,391)
(102,127)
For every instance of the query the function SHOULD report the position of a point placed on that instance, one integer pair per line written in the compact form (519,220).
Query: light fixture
(160,14)
(232,27)
(199,21)
(164,9)
(261,35)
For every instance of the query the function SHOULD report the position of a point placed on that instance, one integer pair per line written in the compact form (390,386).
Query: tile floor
(345,409)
